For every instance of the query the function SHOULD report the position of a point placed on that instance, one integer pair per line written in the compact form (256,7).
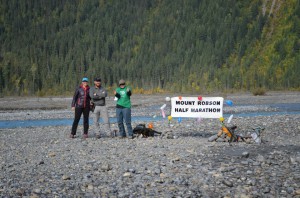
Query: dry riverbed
(44,162)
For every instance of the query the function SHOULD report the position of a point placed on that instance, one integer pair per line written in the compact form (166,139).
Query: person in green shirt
(123,109)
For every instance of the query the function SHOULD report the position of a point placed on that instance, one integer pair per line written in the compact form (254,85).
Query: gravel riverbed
(44,162)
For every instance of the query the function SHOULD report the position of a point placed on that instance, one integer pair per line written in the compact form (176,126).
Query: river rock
(20,191)
(260,158)
(189,166)
(66,177)
(127,174)
(245,154)
(227,183)
(90,186)
(51,154)
(106,167)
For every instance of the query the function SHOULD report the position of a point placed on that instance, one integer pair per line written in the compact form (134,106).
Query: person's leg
(104,116)
(96,120)
(120,122)
(78,112)
(127,118)
(86,113)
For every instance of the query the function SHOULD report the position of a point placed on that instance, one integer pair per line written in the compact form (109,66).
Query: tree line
(173,45)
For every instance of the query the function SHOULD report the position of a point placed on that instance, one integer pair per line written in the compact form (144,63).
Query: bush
(259,91)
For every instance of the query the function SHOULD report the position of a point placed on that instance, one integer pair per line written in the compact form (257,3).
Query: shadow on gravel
(196,134)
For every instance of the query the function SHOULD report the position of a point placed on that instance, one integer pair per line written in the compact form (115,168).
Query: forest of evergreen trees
(188,46)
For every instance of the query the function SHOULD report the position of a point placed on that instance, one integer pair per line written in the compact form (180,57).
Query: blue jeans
(124,114)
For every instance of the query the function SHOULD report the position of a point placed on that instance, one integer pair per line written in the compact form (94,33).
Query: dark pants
(78,112)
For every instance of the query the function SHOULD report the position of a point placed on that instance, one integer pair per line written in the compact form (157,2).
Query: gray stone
(157,171)
(260,158)
(91,162)
(249,172)
(90,187)
(48,191)
(266,190)
(212,138)
(189,166)
(127,174)
(227,183)
(37,191)
(245,154)
(106,167)
(244,162)
(66,177)
(151,167)
(290,190)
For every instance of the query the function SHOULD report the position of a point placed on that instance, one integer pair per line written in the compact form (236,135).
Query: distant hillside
(174,45)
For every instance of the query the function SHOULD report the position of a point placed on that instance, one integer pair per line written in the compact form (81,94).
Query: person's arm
(128,91)
(103,93)
(92,92)
(100,95)
(117,94)
(75,97)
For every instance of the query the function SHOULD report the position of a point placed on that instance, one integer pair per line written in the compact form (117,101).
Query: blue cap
(85,79)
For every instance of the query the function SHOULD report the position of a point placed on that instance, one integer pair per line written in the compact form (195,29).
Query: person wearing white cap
(123,109)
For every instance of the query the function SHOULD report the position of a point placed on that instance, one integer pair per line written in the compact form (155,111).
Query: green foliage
(187,46)
(259,91)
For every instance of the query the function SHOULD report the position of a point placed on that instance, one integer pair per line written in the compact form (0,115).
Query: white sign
(196,107)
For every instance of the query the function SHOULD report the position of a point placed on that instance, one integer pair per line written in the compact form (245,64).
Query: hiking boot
(113,133)
(85,136)
(72,136)
(98,136)
(122,137)
(130,137)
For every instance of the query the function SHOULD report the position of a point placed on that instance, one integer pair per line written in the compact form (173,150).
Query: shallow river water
(282,109)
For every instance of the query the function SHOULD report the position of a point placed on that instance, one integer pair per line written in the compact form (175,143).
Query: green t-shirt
(124,99)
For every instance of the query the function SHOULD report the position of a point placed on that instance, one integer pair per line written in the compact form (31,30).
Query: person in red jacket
(81,105)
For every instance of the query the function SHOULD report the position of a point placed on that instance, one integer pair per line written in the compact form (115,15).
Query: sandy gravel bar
(44,162)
